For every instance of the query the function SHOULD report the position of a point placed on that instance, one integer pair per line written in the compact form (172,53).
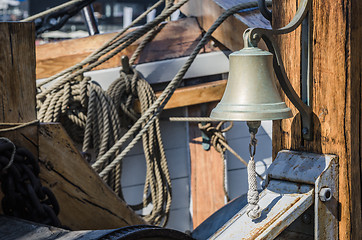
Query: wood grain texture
(291,55)
(176,39)
(206,172)
(85,200)
(230,32)
(193,95)
(17,70)
(17,82)
(336,97)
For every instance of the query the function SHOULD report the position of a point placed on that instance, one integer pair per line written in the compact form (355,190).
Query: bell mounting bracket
(252,37)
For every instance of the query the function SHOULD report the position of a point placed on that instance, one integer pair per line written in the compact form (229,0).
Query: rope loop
(216,134)
(252,144)
(4,139)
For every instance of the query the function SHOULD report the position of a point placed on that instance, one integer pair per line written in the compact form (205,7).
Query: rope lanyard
(253,210)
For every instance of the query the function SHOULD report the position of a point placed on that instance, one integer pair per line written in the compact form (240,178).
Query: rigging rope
(113,49)
(72,89)
(51,10)
(162,100)
(217,140)
(83,107)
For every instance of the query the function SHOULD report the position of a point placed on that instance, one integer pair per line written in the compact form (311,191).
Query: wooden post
(17,85)
(206,173)
(335,96)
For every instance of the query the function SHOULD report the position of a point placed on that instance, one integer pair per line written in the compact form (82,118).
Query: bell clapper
(253,209)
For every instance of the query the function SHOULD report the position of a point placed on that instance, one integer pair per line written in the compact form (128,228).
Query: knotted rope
(253,209)
(83,107)
(157,187)
(218,141)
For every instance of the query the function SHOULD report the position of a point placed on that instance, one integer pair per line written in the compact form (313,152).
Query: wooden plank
(355,73)
(176,39)
(230,33)
(336,97)
(85,200)
(193,95)
(17,82)
(206,171)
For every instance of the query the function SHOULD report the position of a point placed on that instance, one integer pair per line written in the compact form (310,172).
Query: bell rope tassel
(253,210)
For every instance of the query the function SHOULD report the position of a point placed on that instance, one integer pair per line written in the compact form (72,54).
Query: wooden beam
(206,171)
(86,202)
(193,95)
(176,39)
(335,97)
(231,31)
(17,85)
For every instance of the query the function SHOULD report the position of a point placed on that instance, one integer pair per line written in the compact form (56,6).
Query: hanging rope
(162,100)
(221,141)
(157,187)
(253,209)
(217,140)
(71,89)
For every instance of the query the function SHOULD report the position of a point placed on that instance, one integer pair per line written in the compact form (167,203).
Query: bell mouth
(251,112)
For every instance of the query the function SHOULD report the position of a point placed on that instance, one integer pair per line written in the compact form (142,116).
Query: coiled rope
(83,107)
(65,83)
(150,115)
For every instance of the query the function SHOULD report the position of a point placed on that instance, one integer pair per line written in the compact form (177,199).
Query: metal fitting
(325,194)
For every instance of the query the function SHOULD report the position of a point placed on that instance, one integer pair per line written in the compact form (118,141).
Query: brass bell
(251,93)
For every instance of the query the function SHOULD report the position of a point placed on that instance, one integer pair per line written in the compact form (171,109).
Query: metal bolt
(263,183)
(325,194)
(305,131)
(307,218)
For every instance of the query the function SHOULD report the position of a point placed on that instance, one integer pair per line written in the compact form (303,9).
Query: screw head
(325,194)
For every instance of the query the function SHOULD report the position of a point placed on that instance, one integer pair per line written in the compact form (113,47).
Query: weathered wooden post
(335,96)
(17,85)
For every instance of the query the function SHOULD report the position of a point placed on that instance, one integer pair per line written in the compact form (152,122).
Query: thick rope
(100,122)
(253,210)
(123,92)
(116,47)
(115,41)
(17,125)
(65,93)
(161,101)
(52,10)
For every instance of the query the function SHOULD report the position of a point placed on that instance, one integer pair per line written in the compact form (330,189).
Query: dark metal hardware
(264,10)
(90,20)
(252,37)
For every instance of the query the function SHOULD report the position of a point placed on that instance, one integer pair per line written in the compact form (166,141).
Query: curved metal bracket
(252,37)
(264,10)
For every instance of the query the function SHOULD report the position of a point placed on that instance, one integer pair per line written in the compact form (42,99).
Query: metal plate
(282,202)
